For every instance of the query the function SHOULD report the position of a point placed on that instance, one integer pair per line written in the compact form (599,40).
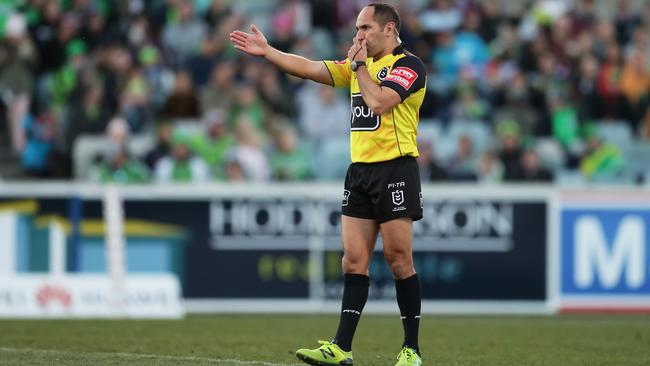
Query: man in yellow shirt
(382,187)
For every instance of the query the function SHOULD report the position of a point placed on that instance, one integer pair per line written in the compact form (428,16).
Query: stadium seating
(331,159)
(616,132)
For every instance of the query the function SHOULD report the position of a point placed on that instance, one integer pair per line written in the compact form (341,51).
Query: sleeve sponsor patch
(403,76)
(340,62)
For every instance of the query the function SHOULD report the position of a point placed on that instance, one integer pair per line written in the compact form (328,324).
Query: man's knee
(355,262)
(401,263)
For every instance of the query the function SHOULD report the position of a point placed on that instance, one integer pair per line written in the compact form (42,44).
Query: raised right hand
(253,43)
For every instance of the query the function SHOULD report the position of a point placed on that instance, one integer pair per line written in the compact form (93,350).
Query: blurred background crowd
(140,91)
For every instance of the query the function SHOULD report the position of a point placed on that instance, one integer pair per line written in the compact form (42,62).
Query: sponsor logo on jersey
(403,76)
(381,75)
(362,118)
(339,62)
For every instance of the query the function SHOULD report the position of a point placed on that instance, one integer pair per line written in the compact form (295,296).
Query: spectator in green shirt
(213,145)
(181,165)
(289,162)
(117,166)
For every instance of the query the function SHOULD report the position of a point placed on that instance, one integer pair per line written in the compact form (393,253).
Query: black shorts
(383,191)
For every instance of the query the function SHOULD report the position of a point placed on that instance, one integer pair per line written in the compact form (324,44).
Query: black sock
(409,299)
(355,294)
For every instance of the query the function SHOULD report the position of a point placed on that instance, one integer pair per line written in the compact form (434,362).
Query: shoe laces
(406,352)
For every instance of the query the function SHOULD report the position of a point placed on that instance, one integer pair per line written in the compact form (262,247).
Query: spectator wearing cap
(65,79)
(181,166)
(214,144)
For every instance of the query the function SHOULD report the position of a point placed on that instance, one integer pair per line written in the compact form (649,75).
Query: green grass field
(270,340)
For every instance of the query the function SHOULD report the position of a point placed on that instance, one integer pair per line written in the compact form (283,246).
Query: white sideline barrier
(88,296)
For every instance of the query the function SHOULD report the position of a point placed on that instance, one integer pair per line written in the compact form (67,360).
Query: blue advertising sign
(605,252)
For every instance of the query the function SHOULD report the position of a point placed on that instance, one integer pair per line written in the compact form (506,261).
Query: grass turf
(271,340)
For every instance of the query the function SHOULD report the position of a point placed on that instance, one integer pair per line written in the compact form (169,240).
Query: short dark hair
(385,13)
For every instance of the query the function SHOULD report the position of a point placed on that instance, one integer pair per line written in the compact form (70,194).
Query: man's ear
(390,29)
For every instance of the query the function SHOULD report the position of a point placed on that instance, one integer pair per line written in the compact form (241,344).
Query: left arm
(379,99)
(376,97)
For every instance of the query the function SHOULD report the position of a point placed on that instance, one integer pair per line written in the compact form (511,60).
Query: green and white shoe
(408,357)
(328,354)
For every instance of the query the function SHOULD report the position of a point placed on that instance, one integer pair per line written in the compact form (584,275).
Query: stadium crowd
(551,91)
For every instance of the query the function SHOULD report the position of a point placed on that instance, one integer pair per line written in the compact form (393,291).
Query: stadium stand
(569,80)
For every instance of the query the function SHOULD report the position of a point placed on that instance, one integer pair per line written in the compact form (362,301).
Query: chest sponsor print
(362,118)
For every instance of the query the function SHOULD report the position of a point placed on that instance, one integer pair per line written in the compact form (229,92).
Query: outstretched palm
(252,43)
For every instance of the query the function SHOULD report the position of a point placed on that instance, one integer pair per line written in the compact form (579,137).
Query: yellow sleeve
(340,71)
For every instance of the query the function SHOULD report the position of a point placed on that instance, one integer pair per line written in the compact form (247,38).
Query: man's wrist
(356,64)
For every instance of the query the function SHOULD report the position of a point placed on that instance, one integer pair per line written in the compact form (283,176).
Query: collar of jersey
(399,49)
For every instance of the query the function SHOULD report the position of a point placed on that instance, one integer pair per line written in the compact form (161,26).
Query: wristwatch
(355,65)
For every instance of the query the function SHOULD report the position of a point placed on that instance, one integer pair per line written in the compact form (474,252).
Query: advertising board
(281,244)
(604,252)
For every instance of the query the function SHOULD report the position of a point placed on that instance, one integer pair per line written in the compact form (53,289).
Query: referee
(382,186)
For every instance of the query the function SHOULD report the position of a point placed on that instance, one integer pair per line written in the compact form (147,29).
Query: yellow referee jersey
(393,134)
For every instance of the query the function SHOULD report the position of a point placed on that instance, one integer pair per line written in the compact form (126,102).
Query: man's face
(368,29)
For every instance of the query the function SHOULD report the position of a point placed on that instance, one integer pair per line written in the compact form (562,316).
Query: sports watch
(355,65)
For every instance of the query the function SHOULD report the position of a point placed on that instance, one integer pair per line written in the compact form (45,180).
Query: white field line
(139,356)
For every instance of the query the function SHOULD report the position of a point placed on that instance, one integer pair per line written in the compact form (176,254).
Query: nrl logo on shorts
(346,194)
(398,197)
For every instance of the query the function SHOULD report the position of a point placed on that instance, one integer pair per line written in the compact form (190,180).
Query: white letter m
(627,253)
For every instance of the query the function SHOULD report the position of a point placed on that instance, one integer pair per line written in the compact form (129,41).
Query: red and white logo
(403,76)
(50,294)
(339,62)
